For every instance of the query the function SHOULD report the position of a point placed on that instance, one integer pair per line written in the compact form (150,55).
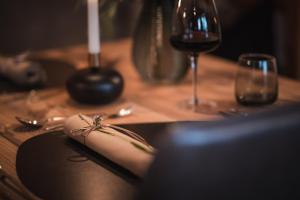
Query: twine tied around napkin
(85,131)
(97,126)
(119,145)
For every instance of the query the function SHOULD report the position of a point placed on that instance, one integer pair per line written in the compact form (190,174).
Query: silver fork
(233,112)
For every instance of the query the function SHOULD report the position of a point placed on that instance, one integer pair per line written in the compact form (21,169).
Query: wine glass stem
(194,66)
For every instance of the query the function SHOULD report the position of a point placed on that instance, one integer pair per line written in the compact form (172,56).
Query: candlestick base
(94,59)
(95,85)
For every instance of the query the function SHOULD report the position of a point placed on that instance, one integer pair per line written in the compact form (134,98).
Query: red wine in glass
(195,45)
(195,29)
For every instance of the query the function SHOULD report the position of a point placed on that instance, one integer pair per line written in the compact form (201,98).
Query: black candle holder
(95,85)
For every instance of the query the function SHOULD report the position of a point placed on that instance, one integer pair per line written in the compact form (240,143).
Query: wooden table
(152,103)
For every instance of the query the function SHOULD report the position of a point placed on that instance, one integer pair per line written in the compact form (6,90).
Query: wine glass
(195,29)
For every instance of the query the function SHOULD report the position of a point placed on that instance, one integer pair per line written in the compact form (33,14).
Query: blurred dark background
(260,26)
(248,27)
(40,24)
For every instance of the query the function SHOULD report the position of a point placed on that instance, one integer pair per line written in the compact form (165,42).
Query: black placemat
(54,166)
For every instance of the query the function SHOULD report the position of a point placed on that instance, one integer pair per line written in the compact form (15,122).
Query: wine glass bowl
(195,29)
(196,26)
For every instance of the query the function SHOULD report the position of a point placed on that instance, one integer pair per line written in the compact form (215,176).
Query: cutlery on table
(233,112)
(38,123)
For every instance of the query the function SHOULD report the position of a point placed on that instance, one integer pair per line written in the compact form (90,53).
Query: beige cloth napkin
(114,145)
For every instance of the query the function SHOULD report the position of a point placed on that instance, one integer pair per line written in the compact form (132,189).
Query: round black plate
(53,166)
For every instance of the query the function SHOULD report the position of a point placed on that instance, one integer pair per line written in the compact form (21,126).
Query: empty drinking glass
(256,80)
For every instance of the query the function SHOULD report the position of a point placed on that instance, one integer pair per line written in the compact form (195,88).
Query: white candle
(93,27)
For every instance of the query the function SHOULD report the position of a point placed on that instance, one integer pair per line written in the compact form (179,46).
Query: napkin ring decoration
(97,125)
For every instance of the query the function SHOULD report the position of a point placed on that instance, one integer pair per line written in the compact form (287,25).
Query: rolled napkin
(133,154)
(22,71)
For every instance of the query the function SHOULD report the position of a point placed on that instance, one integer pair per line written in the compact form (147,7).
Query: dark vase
(153,56)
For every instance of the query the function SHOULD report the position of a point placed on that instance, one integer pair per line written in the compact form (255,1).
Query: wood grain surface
(151,103)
